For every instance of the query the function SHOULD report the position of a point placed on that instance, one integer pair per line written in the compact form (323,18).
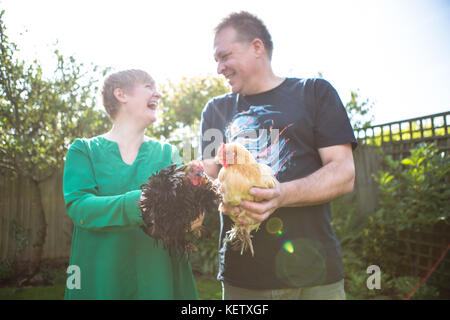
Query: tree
(182,102)
(358,111)
(39,117)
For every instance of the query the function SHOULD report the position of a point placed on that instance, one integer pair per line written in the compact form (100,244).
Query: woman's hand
(198,222)
(141,199)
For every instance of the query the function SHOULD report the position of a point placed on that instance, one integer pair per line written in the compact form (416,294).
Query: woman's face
(142,102)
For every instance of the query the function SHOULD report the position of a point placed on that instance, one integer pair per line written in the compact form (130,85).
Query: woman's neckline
(116,144)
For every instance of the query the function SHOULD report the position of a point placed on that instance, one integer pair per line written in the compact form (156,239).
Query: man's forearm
(329,182)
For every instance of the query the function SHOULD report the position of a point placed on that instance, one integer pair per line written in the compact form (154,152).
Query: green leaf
(408,162)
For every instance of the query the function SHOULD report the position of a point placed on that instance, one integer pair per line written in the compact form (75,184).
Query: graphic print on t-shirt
(258,132)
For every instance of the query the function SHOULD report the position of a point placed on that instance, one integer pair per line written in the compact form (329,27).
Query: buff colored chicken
(239,173)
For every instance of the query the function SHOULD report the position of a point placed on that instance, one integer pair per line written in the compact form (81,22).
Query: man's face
(234,60)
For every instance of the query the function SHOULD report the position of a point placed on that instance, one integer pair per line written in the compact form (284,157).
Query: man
(300,128)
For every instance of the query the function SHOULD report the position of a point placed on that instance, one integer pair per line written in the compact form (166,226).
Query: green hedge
(413,197)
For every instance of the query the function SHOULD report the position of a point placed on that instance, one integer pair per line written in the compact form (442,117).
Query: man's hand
(272,199)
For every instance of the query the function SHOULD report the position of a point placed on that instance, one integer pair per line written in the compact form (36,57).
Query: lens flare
(288,247)
(300,262)
(274,225)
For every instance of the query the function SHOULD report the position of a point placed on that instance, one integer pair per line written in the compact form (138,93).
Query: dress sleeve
(84,206)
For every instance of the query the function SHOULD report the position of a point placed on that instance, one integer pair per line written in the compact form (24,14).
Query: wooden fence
(17,218)
(397,138)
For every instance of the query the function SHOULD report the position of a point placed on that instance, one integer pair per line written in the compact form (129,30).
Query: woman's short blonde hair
(125,80)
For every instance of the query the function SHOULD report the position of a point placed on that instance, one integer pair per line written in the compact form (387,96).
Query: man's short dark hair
(248,27)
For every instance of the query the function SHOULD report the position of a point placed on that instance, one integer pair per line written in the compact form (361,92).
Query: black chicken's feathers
(172,202)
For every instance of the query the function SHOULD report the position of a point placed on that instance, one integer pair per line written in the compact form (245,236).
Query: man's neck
(266,80)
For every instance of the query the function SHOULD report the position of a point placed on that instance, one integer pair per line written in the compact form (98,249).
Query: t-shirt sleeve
(84,206)
(331,123)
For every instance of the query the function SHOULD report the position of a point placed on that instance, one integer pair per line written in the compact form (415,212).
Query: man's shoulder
(220,103)
(309,81)
(315,86)
(222,99)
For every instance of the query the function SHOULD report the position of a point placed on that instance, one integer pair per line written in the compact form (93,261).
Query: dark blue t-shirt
(283,128)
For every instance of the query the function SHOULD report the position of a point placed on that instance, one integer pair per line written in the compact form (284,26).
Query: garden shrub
(413,197)
(205,260)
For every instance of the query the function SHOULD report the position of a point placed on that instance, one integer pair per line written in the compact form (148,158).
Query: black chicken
(172,199)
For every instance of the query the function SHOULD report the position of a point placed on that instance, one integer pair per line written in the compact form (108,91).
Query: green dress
(115,258)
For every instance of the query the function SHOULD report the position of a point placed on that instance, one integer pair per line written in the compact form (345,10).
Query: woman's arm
(84,206)
(211,167)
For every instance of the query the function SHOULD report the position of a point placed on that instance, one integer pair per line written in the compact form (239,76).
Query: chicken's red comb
(224,155)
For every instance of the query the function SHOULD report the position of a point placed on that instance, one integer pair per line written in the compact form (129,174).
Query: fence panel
(18,218)
(397,138)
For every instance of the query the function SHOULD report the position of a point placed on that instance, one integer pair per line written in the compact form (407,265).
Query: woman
(102,175)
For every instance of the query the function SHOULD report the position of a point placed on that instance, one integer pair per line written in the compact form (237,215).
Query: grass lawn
(208,289)
(33,293)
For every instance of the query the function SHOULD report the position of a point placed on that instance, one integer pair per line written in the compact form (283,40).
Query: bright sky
(397,53)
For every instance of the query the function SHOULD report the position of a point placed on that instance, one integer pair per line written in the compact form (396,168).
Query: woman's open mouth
(152,105)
